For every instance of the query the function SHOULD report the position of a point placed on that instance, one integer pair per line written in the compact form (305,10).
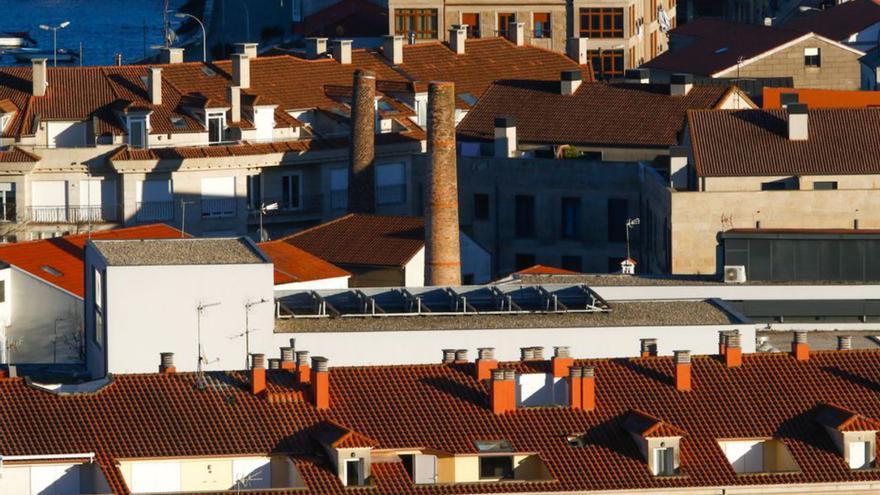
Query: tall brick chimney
(361,190)
(320,383)
(682,371)
(442,248)
(258,373)
(588,388)
(503,391)
(302,366)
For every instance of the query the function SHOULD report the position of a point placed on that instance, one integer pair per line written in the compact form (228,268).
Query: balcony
(218,207)
(307,205)
(154,211)
(70,214)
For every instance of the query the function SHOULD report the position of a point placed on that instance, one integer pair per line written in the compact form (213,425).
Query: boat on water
(26,55)
(16,39)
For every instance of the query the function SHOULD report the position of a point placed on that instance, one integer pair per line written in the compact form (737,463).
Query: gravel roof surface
(821,339)
(612,280)
(178,252)
(621,315)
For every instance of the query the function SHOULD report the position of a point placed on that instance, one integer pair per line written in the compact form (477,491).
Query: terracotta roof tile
(17,155)
(732,143)
(292,264)
(545,270)
(822,98)
(444,408)
(59,261)
(597,113)
(358,239)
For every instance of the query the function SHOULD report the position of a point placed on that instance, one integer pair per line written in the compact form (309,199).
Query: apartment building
(803,169)
(204,147)
(676,423)
(714,48)
(620,34)
(592,147)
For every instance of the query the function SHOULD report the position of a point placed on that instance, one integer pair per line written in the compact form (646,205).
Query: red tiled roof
(17,155)
(718,45)
(647,426)
(292,264)
(842,419)
(338,436)
(64,255)
(597,113)
(444,408)
(839,22)
(358,239)
(732,143)
(823,98)
(545,270)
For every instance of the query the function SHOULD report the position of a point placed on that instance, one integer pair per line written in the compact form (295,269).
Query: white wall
(415,347)
(35,309)
(152,309)
(324,283)
(414,270)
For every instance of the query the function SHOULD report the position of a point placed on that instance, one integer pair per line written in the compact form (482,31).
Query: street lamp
(54,29)
(630,223)
(265,209)
(183,15)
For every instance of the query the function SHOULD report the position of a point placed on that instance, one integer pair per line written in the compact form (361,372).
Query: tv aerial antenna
(203,360)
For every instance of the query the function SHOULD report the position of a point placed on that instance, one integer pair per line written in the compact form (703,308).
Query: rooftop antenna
(183,216)
(247,328)
(200,309)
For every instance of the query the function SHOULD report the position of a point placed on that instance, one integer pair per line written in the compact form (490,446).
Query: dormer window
(766,455)
(216,126)
(664,461)
(853,434)
(658,441)
(137,132)
(496,467)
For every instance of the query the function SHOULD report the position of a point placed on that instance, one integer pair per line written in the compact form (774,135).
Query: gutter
(47,457)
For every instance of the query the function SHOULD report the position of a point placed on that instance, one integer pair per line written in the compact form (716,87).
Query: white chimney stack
(516,33)
(316,47)
(156,85)
(40,76)
(678,171)
(637,76)
(342,51)
(681,84)
(241,70)
(170,55)
(798,122)
(457,37)
(249,49)
(576,49)
(570,81)
(234,103)
(392,46)
(505,137)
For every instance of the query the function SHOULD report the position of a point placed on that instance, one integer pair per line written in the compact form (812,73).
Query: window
(654,44)
(422,23)
(631,20)
(859,455)
(606,63)
(493,446)
(7,201)
(541,21)
(522,261)
(601,23)
(779,185)
(632,58)
(218,196)
(812,57)
(653,12)
(99,306)
(481,206)
(524,215)
(216,124)
(825,185)
(473,24)
(254,193)
(137,132)
(291,191)
(496,467)
(664,461)
(745,456)
(617,211)
(390,183)
(571,218)
(339,188)
(504,22)
(573,263)
(354,472)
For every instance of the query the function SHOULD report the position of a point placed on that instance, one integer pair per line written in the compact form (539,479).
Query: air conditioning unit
(735,274)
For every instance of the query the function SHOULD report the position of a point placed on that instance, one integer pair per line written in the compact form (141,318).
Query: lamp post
(265,209)
(183,15)
(54,29)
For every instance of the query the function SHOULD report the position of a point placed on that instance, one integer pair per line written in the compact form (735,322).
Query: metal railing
(218,207)
(153,211)
(70,214)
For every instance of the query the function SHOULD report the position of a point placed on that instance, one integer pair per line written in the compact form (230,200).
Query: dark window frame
(496,467)
(606,63)
(505,19)
(423,23)
(569,228)
(481,206)
(601,22)
(524,216)
(813,61)
(543,28)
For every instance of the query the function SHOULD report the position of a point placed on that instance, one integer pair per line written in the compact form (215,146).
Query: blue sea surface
(104,27)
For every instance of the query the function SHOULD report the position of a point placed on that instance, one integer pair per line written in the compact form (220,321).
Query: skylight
(493,446)
(468,98)
(178,122)
(51,270)
(208,71)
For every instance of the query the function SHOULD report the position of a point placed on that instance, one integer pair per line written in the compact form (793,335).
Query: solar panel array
(428,301)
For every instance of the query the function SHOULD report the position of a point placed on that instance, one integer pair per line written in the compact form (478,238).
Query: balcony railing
(155,211)
(218,207)
(8,213)
(71,214)
(307,205)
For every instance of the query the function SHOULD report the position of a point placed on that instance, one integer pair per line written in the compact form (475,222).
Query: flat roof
(146,252)
(618,280)
(622,314)
(821,340)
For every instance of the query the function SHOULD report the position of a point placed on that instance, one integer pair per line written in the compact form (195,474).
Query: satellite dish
(663,18)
